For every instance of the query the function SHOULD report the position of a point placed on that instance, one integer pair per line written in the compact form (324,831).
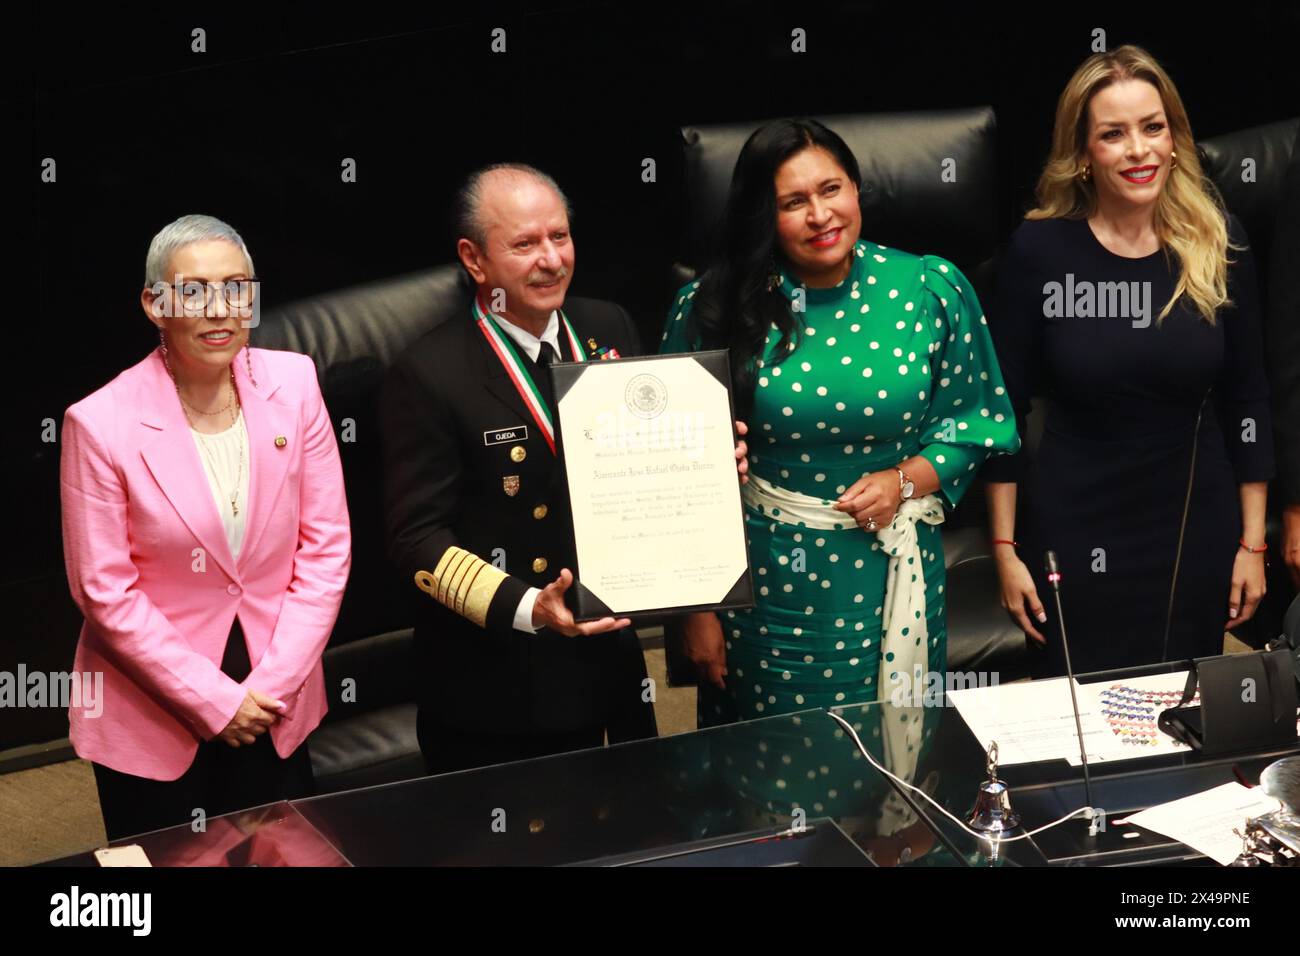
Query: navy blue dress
(1146,422)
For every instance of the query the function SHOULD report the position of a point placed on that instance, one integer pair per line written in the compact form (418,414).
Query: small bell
(1249,847)
(993,813)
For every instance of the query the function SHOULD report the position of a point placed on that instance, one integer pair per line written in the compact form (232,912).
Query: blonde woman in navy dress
(1151,478)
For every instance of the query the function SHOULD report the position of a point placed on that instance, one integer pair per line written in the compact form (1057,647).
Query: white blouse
(221,456)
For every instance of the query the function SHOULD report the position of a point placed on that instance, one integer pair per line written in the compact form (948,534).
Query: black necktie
(545,356)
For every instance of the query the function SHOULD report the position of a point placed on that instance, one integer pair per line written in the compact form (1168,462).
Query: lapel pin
(281,441)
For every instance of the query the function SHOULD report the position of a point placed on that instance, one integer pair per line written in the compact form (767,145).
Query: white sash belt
(901,654)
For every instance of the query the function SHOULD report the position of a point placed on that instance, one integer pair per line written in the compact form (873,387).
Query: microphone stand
(1054,578)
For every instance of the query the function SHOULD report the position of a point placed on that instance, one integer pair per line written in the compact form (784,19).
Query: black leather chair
(906,204)
(354,335)
(1268,205)
(1257,200)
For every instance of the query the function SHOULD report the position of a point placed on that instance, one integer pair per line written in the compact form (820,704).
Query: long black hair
(734,308)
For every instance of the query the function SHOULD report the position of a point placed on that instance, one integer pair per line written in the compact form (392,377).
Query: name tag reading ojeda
(498,435)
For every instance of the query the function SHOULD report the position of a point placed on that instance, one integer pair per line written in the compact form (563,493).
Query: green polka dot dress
(894,361)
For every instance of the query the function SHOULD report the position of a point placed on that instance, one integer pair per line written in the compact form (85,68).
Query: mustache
(538,277)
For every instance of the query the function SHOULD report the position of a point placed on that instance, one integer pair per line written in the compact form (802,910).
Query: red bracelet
(1014,544)
(1260,550)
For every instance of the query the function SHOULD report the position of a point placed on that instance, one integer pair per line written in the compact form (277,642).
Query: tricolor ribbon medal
(504,349)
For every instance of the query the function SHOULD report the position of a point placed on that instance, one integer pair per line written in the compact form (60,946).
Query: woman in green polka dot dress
(871,389)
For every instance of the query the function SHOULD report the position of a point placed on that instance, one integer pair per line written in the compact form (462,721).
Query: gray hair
(468,203)
(186,231)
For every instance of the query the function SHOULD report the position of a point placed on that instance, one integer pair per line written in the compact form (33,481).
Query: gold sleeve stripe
(448,576)
(466,588)
(463,582)
(456,580)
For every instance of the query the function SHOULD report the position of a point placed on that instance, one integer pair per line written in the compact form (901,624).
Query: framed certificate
(648,447)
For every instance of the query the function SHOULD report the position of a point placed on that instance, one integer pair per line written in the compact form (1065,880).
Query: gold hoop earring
(1085,174)
(1173,154)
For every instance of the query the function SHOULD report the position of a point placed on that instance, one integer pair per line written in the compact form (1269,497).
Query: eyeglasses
(196,297)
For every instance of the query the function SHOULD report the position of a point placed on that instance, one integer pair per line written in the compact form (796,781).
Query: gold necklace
(234,418)
(219,411)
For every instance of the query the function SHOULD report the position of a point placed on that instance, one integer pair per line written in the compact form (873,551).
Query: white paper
(1034,720)
(1031,720)
(1205,821)
(132,855)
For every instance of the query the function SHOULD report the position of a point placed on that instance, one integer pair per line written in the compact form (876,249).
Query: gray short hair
(468,203)
(185,231)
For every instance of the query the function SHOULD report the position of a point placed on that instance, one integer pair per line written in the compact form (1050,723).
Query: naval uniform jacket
(471,483)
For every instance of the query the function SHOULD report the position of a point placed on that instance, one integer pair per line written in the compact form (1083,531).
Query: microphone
(1054,578)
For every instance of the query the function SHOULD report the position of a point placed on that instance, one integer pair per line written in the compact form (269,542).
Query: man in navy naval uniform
(475,499)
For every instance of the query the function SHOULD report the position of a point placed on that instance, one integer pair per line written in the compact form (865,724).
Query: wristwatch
(905,485)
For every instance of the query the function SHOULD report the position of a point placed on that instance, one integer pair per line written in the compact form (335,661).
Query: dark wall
(254,131)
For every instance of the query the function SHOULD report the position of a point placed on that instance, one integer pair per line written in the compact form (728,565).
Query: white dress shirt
(532,344)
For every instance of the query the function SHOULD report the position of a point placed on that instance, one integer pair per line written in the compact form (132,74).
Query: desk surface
(630,801)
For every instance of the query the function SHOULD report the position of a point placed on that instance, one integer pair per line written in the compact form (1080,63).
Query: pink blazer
(150,568)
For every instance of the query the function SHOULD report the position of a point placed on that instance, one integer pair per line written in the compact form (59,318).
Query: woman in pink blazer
(206,538)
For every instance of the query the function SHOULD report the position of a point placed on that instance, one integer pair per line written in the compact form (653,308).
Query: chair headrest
(907,200)
(372,323)
(1252,191)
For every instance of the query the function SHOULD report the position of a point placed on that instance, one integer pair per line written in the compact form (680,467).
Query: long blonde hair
(1189,217)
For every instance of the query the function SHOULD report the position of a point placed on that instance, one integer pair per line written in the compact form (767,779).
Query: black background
(254,130)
